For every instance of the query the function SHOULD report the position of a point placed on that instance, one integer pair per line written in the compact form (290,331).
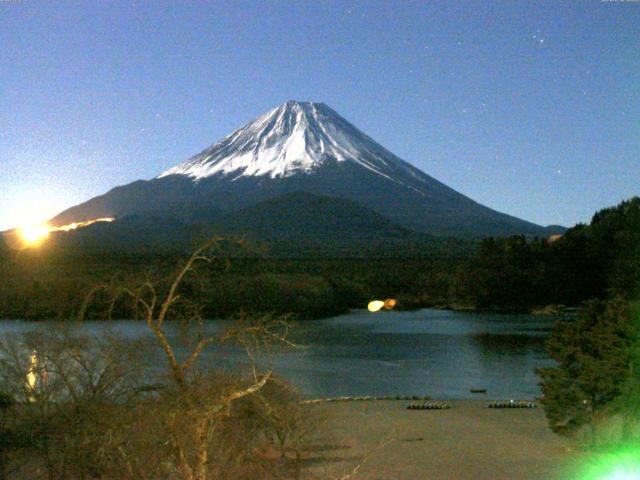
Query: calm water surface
(427,352)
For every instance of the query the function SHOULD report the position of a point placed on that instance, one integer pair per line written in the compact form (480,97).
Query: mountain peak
(293,138)
(304,106)
(298,103)
(306,147)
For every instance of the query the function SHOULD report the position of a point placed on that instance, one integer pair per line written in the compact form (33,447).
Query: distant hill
(316,217)
(297,225)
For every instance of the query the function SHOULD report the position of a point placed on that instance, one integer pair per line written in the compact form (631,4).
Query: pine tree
(628,403)
(594,355)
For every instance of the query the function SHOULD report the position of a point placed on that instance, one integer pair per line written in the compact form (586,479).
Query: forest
(509,274)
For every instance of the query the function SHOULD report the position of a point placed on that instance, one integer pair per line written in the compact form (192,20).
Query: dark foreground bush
(91,408)
(76,418)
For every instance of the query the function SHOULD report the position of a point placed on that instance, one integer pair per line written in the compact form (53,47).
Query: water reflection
(31,382)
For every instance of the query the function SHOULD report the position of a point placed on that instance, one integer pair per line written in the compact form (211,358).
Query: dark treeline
(38,287)
(599,260)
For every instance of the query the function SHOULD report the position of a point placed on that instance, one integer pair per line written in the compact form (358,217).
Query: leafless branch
(188,363)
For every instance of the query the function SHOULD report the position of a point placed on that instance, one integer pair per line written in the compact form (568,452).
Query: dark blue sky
(531,108)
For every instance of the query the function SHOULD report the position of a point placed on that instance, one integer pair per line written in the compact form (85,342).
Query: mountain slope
(302,147)
(304,215)
(294,225)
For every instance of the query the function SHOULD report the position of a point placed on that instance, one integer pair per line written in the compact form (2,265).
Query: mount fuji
(308,148)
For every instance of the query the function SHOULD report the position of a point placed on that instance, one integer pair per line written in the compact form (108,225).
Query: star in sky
(539,39)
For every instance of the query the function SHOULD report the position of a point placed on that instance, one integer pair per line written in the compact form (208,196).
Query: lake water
(427,352)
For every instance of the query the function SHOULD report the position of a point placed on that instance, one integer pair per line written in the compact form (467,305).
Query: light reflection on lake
(427,352)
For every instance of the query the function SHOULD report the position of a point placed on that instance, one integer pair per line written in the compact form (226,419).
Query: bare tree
(66,389)
(99,415)
(195,408)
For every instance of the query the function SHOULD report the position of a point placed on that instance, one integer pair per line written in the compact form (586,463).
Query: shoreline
(549,310)
(411,398)
(466,441)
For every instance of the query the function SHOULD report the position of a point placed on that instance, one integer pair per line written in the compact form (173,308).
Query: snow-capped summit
(300,147)
(295,137)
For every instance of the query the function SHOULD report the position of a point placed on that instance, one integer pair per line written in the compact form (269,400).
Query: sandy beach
(468,441)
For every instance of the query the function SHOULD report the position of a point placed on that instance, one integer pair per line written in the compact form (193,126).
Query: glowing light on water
(389,303)
(375,305)
(31,375)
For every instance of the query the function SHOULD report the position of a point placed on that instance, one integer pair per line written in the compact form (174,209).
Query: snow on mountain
(301,147)
(296,137)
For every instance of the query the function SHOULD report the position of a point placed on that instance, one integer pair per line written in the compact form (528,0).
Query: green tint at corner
(621,464)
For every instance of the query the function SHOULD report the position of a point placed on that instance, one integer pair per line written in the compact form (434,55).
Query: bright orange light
(33,235)
(389,303)
(76,225)
(554,238)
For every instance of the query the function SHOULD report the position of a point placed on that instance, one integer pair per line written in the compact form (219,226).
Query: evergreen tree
(594,355)
(628,403)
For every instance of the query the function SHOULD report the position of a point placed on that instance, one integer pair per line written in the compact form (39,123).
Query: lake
(427,352)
